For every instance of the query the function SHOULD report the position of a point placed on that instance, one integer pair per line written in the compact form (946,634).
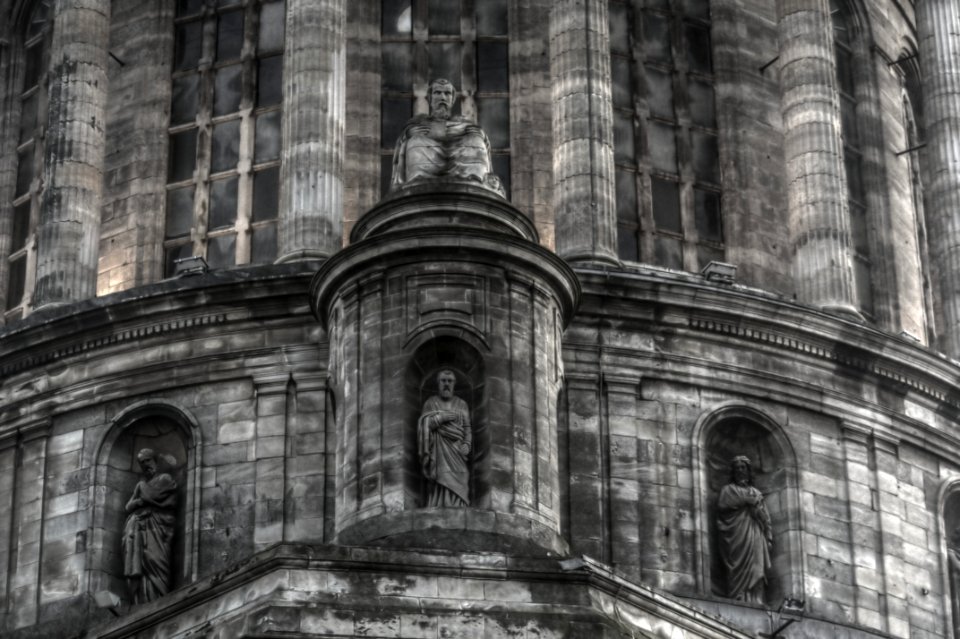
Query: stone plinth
(446,278)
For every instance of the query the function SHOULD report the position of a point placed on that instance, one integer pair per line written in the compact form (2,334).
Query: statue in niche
(444,441)
(148,532)
(746,534)
(443,146)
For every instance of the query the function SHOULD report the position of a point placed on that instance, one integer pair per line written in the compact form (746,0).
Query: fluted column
(68,232)
(314,77)
(938,25)
(583,171)
(816,182)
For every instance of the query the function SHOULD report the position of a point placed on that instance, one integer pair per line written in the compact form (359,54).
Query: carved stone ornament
(746,534)
(148,532)
(445,147)
(444,441)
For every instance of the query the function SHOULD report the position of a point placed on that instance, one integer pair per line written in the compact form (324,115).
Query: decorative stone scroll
(442,146)
(746,534)
(148,532)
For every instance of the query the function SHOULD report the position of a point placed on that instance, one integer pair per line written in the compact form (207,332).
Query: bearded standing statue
(746,534)
(148,532)
(444,441)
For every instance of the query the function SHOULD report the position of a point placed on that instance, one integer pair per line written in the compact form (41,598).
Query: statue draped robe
(148,538)
(437,148)
(745,537)
(438,443)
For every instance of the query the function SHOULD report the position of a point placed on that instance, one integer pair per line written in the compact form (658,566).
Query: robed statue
(746,534)
(444,441)
(443,146)
(148,532)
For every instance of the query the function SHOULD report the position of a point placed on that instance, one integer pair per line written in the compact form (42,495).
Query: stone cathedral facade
(695,373)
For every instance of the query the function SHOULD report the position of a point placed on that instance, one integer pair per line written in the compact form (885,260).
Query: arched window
(463,41)
(916,142)
(21,260)
(846,61)
(665,130)
(223,171)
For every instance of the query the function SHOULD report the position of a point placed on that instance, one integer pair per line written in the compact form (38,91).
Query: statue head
(148,461)
(741,470)
(446,380)
(442,97)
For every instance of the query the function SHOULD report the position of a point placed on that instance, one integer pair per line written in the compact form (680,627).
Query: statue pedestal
(446,276)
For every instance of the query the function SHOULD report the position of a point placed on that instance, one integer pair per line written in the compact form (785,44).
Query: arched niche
(174,436)
(460,356)
(950,552)
(740,430)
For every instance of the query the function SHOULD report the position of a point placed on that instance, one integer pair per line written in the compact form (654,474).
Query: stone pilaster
(583,176)
(816,182)
(938,26)
(307,468)
(68,232)
(314,79)
(270,452)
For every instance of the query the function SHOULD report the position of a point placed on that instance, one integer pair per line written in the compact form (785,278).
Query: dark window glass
(624,149)
(271,27)
(270,81)
(627,246)
(443,17)
(183,107)
(697,9)
(182,156)
(222,251)
(223,203)
(698,49)
(656,37)
(16,282)
(626,196)
(226,146)
(173,254)
(188,7)
(263,244)
(668,252)
(660,93)
(189,45)
(386,173)
(707,254)
(267,143)
(34,66)
(854,178)
(858,228)
(491,17)
(394,114)
(494,118)
(229,35)
(227,88)
(266,194)
(501,166)
(397,64)
(848,116)
(663,146)
(24,170)
(863,283)
(622,82)
(28,116)
(395,17)
(619,28)
(701,104)
(21,226)
(706,208)
(845,71)
(179,212)
(445,61)
(666,205)
(492,73)
(705,157)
